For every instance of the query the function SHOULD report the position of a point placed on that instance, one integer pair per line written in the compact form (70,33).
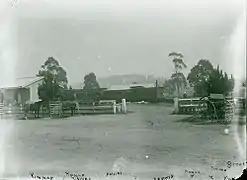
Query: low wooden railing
(11,111)
(103,107)
(56,109)
(192,105)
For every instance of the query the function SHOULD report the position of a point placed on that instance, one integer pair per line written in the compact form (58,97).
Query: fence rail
(193,105)
(103,107)
(190,106)
(56,109)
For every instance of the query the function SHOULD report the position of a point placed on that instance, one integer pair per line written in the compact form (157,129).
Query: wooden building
(134,93)
(21,90)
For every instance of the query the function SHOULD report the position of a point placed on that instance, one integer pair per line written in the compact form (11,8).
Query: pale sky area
(121,37)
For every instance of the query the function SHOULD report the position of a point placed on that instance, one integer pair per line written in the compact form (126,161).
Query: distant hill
(127,79)
(106,82)
(76,85)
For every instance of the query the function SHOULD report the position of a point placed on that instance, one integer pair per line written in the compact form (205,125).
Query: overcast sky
(119,37)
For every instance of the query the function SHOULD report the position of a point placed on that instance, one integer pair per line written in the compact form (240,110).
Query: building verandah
(14,96)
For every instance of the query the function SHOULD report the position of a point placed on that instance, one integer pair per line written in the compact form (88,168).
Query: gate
(55,109)
(1,110)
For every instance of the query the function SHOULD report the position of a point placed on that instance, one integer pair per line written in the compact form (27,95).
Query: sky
(116,37)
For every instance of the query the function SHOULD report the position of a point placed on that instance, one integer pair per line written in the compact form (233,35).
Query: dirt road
(147,143)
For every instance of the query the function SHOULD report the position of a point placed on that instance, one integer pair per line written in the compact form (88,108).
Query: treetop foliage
(55,79)
(90,82)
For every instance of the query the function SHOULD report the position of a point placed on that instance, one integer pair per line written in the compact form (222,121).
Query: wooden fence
(56,110)
(190,105)
(193,105)
(11,111)
(103,107)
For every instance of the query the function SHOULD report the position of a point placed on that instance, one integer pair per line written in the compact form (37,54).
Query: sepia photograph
(123,90)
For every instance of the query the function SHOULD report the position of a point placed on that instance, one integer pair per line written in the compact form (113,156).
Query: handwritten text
(218,169)
(192,173)
(34,176)
(113,174)
(76,176)
(231,164)
(164,178)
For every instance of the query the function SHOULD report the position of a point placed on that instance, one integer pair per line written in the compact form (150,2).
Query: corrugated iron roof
(20,82)
(129,86)
(143,85)
(118,87)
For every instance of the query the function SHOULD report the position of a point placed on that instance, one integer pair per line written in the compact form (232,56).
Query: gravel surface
(144,144)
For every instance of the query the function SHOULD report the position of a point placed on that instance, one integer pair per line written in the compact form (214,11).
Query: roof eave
(8,88)
(26,85)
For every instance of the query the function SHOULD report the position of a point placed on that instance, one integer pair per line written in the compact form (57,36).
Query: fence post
(118,108)
(176,109)
(124,108)
(114,107)
(94,107)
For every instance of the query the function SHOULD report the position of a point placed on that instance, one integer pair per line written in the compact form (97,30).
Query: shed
(21,90)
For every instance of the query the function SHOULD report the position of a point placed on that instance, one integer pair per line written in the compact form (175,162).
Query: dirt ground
(144,144)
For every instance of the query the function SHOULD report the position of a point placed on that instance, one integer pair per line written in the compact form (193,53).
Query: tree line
(55,83)
(203,77)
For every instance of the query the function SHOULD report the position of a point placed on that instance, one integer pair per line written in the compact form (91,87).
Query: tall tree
(90,82)
(52,66)
(49,89)
(91,88)
(169,86)
(178,77)
(55,78)
(199,75)
(219,82)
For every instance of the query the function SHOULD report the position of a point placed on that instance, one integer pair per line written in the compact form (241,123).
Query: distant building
(131,86)
(21,91)
(134,92)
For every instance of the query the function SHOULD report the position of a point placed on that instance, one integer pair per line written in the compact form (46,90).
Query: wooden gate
(1,110)
(55,109)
